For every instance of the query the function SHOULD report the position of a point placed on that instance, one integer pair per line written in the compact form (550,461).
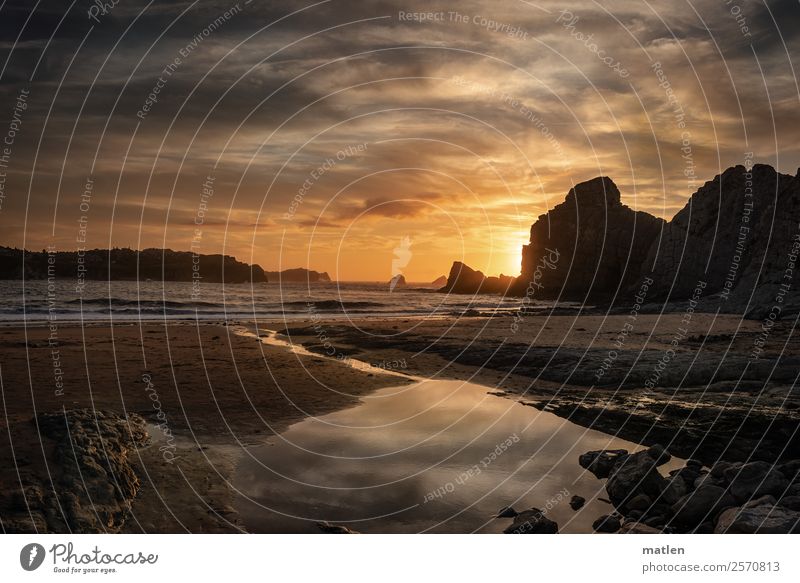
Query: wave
(134,302)
(334,305)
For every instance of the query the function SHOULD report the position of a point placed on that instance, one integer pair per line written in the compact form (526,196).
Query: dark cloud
(459,119)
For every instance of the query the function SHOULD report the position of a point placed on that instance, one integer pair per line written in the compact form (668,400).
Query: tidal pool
(436,456)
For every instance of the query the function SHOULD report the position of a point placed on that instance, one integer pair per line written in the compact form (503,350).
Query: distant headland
(123,264)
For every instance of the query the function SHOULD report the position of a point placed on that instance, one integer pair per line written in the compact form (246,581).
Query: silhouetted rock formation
(599,242)
(298,275)
(465,280)
(127,265)
(739,234)
(723,497)
(440,281)
(734,245)
(398,280)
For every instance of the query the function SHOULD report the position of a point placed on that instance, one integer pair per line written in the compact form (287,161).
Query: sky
(353,136)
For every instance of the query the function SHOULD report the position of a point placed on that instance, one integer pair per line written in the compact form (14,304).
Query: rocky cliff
(600,243)
(126,264)
(737,240)
(739,235)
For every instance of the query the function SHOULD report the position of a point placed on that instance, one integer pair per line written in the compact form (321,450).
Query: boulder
(638,528)
(700,505)
(705,528)
(755,479)
(606,523)
(689,475)
(506,512)
(328,528)
(635,474)
(791,470)
(660,454)
(761,519)
(601,462)
(790,502)
(675,489)
(97,479)
(656,521)
(532,521)
(640,502)
(398,280)
(463,279)
(719,469)
(763,501)
(577,502)
(707,480)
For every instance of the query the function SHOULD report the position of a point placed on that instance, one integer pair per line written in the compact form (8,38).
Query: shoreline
(219,389)
(214,390)
(712,402)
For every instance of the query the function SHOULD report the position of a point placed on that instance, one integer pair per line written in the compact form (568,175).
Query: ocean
(38,300)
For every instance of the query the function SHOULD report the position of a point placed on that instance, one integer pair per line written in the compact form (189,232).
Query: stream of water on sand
(433,456)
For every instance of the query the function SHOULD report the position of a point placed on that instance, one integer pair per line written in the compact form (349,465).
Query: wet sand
(216,392)
(207,392)
(690,382)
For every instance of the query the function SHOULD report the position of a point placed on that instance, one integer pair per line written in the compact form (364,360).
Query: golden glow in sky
(332,135)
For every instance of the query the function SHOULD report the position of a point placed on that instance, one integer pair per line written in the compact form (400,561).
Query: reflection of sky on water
(371,466)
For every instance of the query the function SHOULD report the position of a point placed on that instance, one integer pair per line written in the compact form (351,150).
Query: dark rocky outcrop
(601,245)
(577,502)
(397,281)
(701,505)
(636,474)
(465,280)
(91,488)
(766,519)
(755,479)
(127,265)
(633,527)
(439,282)
(607,523)
(737,235)
(730,497)
(328,528)
(506,512)
(532,521)
(601,462)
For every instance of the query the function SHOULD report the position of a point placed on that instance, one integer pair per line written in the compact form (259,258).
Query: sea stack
(465,280)
(591,246)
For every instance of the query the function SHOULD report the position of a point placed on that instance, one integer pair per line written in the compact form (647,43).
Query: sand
(207,393)
(217,392)
(687,379)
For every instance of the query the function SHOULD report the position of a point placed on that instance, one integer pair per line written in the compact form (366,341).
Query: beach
(696,384)
(183,400)
(204,391)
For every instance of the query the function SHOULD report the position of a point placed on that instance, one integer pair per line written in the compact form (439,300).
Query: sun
(513,261)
